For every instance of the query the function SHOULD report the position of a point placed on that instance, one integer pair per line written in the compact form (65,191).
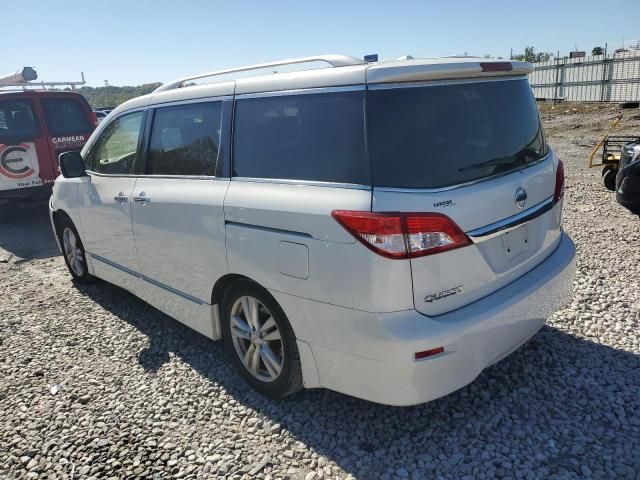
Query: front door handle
(141,198)
(121,198)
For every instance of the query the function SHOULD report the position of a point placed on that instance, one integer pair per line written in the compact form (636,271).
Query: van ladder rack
(333,60)
(41,85)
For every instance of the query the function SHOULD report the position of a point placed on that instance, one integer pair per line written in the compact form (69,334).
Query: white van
(385,230)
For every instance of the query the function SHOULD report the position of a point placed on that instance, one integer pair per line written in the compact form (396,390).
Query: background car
(628,178)
(35,127)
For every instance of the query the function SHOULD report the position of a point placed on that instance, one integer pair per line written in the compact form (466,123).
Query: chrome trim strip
(113,264)
(465,184)
(184,177)
(175,177)
(268,229)
(97,174)
(147,279)
(435,83)
(302,91)
(309,183)
(509,223)
(171,103)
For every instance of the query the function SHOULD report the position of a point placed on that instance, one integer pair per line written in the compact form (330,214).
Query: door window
(316,137)
(17,119)
(65,116)
(185,140)
(115,151)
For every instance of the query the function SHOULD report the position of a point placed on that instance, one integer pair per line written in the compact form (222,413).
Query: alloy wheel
(72,251)
(256,338)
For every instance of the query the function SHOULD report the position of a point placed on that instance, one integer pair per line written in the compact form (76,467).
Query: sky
(135,41)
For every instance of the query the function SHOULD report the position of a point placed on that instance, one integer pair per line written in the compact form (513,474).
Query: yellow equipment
(611,151)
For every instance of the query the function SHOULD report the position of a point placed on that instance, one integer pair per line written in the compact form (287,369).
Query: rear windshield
(17,119)
(442,135)
(65,116)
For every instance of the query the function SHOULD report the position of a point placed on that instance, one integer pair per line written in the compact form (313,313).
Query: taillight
(94,118)
(403,235)
(559,191)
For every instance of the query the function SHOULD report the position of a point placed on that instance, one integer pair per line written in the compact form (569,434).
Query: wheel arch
(310,374)
(223,284)
(58,214)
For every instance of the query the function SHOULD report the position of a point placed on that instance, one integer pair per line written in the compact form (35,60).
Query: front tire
(609,178)
(260,340)
(73,250)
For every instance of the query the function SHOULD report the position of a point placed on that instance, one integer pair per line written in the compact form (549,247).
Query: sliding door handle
(141,198)
(121,198)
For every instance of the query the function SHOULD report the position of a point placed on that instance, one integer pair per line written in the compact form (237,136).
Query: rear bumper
(371,356)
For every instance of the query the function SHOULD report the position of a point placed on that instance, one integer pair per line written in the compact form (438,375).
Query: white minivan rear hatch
(466,159)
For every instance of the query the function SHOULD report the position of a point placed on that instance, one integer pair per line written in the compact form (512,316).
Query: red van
(36,127)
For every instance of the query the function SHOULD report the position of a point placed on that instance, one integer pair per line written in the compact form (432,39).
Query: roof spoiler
(419,72)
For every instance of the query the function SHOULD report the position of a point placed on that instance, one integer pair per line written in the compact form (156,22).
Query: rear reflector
(428,353)
(403,235)
(496,66)
(559,191)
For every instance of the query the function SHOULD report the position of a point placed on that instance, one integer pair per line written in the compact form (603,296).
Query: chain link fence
(613,76)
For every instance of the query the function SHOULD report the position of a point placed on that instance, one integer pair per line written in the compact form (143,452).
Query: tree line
(111,96)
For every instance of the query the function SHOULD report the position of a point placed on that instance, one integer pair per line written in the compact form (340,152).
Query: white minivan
(386,230)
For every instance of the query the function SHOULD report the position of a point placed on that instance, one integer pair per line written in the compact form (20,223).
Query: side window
(185,139)
(301,137)
(17,119)
(65,116)
(115,150)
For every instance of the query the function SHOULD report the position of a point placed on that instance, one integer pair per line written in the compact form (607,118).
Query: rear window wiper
(519,157)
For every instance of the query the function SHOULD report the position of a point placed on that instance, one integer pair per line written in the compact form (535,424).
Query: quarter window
(115,150)
(185,140)
(316,137)
(65,116)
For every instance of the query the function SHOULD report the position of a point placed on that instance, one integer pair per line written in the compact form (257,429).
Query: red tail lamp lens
(403,235)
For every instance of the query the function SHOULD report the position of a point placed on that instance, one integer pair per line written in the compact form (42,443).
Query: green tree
(530,55)
(597,51)
(111,96)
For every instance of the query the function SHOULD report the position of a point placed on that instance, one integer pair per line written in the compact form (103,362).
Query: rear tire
(609,178)
(260,341)
(73,250)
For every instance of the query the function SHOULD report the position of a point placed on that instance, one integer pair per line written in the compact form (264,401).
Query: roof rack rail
(333,60)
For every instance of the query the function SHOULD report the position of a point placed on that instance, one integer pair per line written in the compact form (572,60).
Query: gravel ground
(95,383)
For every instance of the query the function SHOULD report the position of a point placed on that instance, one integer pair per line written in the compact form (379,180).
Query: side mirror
(71,165)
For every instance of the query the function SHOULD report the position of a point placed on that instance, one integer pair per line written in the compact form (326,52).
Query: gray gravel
(95,383)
